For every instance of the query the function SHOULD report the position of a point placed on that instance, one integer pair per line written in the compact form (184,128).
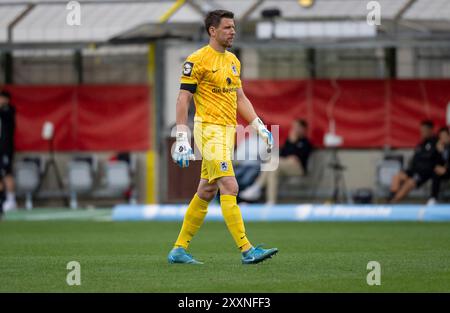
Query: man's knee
(401,176)
(228,186)
(411,183)
(207,192)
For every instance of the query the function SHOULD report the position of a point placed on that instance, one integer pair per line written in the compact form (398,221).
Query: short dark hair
(427,123)
(213,18)
(4,93)
(444,129)
(302,122)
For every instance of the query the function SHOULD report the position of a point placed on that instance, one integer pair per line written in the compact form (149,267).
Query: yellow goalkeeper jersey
(213,78)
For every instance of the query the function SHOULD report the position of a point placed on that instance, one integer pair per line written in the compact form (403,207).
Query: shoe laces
(258,249)
(187,254)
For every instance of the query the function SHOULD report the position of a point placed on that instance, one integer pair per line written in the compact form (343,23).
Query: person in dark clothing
(294,156)
(441,170)
(421,169)
(7,129)
(298,145)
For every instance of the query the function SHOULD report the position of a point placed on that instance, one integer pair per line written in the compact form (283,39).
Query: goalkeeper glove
(183,151)
(263,132)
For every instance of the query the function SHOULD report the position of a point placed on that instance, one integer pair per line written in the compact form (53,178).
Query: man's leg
(233,219)
(404,190)
(196,212)
(435,186)
(193,220)
(397,182)
(10,203)
(286,167)
(231,212)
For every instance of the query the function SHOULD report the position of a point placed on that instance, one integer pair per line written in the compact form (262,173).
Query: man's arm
(183,102)
(246,110)
(182,152)
(245,107)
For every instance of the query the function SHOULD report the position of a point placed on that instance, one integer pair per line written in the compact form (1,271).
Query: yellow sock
(233,218)
(193,220)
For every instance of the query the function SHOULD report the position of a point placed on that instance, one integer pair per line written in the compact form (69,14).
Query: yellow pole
(150,160)
(165,17)
(151,155)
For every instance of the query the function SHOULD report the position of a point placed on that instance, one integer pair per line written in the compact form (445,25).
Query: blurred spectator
(293,161)
(421,169)
(442,170)
(7,128)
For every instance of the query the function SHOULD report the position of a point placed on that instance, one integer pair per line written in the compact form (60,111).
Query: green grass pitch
(313,257)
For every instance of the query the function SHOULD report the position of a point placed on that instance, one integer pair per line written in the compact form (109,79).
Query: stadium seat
(301,187)
(81,172)
(117,176)
(27,177)
(385,171)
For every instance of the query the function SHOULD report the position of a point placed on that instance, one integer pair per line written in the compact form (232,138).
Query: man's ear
(212,30)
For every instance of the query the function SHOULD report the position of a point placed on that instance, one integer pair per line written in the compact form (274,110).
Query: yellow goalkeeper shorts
(216,145)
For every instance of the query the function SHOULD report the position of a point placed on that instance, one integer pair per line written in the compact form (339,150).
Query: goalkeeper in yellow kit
(211,75)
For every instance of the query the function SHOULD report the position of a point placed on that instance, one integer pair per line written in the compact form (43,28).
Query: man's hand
(182,153)
(265,134)
(440,170)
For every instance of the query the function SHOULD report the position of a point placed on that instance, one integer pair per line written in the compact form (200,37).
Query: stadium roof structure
(43,22)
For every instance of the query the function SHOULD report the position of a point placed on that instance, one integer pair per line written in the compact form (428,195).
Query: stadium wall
(86,118)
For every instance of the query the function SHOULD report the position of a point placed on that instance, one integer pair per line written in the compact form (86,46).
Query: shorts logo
(223,166)
(187,68)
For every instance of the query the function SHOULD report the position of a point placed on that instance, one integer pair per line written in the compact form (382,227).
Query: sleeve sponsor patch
(187,68)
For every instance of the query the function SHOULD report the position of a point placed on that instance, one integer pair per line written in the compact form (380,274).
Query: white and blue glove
(265,134)
(182,153)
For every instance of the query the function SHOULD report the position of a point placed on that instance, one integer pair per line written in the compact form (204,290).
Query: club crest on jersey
(187,68)
(234,69)
(223,166)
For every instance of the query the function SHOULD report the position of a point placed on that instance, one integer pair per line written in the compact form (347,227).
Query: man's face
(3,100)
(298,130)
(224,33)
(425,132)
(444,137)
